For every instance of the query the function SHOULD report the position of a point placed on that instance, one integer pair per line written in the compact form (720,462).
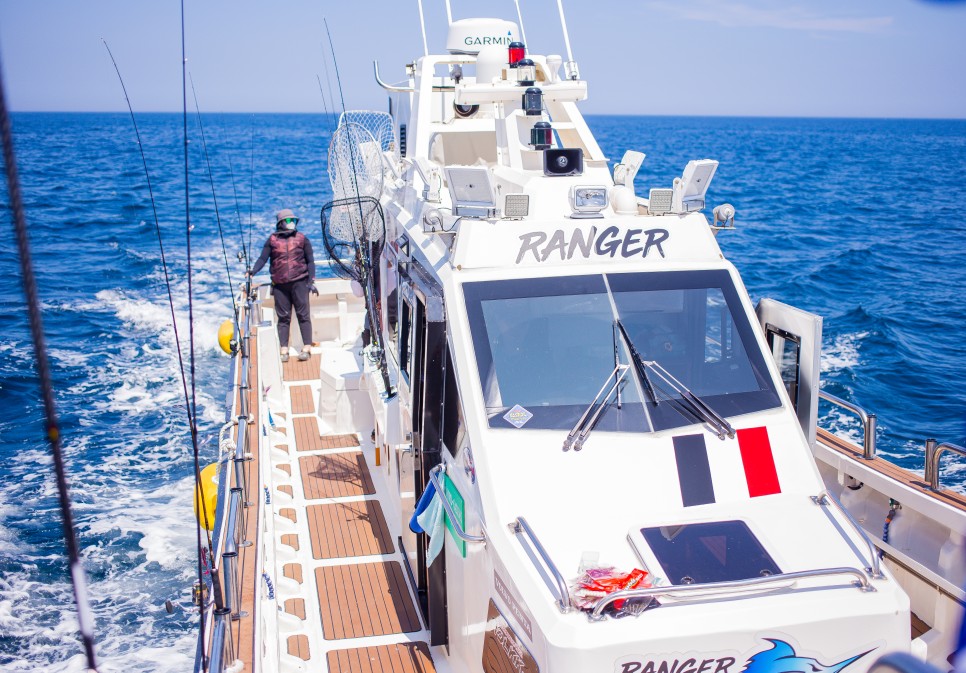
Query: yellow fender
(209,486)
(225,335)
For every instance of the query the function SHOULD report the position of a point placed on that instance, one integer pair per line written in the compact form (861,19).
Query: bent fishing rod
(85,618)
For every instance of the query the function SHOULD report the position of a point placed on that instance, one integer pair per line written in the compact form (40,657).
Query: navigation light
(526,72)
(541,135)
(517,51)
(533,101)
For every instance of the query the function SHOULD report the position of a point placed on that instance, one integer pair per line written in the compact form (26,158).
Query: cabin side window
(452,410)
(405,330)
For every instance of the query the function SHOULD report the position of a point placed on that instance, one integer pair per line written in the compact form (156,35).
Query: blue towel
(430,518)
(421,506)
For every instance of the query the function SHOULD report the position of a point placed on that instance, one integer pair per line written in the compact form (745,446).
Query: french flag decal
(694,471)
(694,468)
(759,462)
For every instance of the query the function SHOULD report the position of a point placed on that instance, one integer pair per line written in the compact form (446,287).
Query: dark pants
(286,295)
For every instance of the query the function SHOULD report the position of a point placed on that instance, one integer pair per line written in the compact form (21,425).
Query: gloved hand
(314,290)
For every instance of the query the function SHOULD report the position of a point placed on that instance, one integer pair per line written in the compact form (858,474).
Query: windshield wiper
(638,362)
(578,435)
(693,405)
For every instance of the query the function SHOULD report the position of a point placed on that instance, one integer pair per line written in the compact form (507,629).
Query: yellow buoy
(226,334)
(209,488)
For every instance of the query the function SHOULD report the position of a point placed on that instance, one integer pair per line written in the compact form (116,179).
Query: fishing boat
(544,428)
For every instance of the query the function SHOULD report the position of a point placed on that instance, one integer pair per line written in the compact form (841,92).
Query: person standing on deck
(293,277)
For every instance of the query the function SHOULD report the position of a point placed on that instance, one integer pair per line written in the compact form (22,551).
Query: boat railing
(231,536)
(521,527)
(869,422)
(686,592)
(934,452)
(450,514)
(825,498)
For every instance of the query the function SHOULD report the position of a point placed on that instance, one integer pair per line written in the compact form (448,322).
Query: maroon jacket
(291,255)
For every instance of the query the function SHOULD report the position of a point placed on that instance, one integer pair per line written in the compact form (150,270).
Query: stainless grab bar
(404,89)
(460,533)
(824,497)
(869,422)
(600,605)
(563,601)
(934,452)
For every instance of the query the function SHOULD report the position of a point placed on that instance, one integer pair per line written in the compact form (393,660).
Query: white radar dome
(468,36)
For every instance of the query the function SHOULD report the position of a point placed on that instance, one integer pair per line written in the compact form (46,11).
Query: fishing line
(214,198)
(325,68)
(241,232)
(325,107)
(157,228)
(251,204)
(85,619)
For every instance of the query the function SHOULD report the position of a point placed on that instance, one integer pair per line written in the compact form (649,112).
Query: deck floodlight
(516,206)
(691,188)
(526,72)
(725,214)
(516,51)
(659,201)
(471,191)
(541,136)
(587,202)
(532,101)
(626,170)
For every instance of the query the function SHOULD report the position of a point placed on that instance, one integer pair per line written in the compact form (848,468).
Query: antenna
(570,67)
(523,31)
(422,25)
(449,14)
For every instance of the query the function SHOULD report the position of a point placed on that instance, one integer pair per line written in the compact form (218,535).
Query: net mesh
(355,163)
(352,232)
(379,125)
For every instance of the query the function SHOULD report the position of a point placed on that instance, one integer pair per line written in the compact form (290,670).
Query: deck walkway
(347,602)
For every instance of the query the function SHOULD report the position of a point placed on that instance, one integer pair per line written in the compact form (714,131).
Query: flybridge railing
(221,651)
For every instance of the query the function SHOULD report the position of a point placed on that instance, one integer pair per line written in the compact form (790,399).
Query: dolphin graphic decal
(782,659)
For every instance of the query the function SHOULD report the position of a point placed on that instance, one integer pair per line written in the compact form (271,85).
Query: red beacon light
(516,51)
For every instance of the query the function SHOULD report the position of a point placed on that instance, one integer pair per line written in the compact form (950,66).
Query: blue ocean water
(853,219)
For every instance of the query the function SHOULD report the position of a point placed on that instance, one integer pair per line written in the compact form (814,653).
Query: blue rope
(271,587)
(893,508)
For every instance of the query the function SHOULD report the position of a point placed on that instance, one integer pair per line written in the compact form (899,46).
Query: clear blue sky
(868,58)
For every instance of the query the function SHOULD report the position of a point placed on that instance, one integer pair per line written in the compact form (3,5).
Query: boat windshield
(543,346)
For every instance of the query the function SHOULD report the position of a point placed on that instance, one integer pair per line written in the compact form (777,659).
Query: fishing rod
(167,283)
(251,208)
(367,248)
(193,403)
(214,198)
(85,618)
(325,108)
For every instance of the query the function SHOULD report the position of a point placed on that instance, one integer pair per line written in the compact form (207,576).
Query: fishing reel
(199,595)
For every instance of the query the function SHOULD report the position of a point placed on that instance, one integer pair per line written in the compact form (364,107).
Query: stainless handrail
(224,559)
(724,587)
(824,497)
(869,422)
(934,452)
(405,89)
(563,601)
(389,87)
(460,533)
